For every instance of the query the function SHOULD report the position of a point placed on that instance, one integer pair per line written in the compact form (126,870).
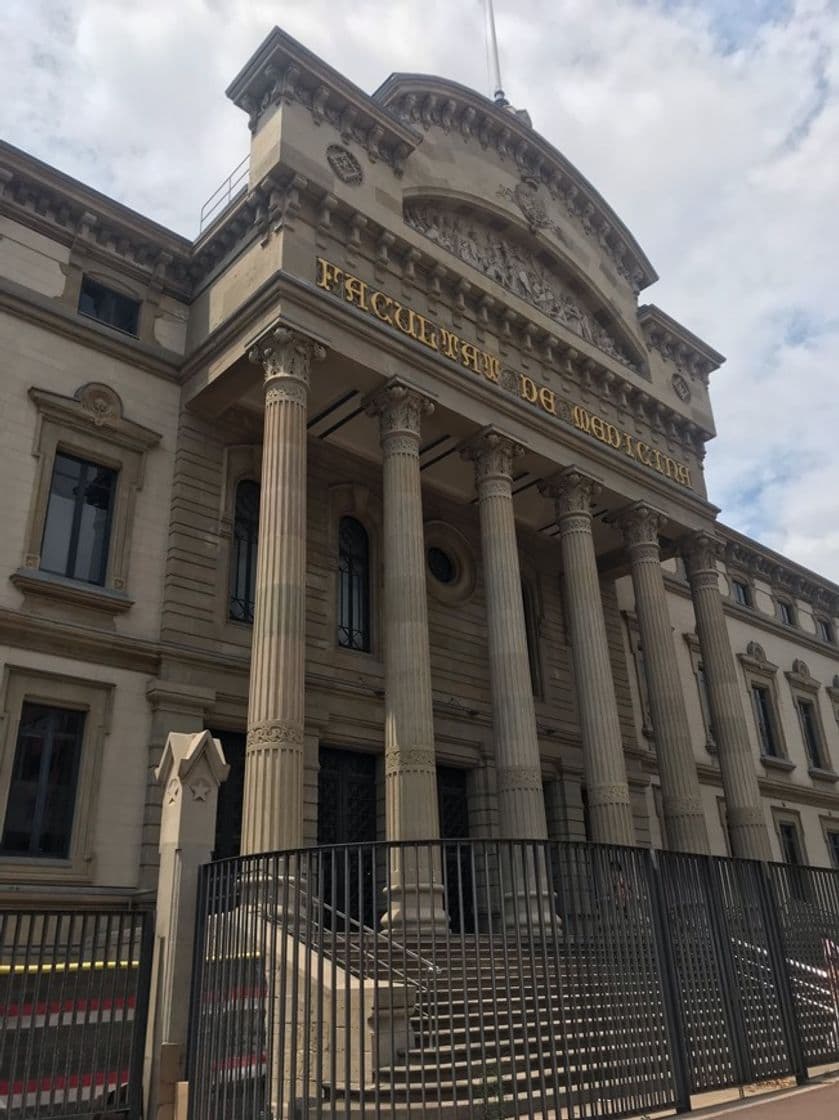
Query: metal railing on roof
(234,185)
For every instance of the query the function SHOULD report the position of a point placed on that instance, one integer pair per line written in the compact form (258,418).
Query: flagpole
(499,97)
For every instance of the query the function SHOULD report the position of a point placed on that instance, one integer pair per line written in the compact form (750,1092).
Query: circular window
(441,565)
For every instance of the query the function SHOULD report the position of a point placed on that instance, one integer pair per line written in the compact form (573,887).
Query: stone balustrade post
(744,810)
(610,808)
(274,764)
(684,819)
(415,890)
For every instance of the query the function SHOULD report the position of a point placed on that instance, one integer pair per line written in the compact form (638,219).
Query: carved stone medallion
(681,387)
(529,200)
(344,164)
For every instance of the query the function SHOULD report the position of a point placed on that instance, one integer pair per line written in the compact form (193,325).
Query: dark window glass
(833,847)
(42,793)
(810,732)
(441,565)
(742,593)
(762,703)
(786,613)
(531,634)
(824,629)
(704,703)
(108,306)
(78,523)
(353,585)
(790,843)
(245,542)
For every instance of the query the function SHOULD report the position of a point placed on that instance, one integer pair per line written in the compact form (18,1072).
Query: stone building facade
(390,481)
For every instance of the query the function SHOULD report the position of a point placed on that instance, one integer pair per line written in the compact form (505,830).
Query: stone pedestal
(684,820)
(610,811)
(746,823)
(274,764)
(416,892)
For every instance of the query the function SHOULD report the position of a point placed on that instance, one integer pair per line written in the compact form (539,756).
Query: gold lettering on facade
(388,310)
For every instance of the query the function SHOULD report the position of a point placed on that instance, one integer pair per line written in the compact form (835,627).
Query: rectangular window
(824,629)
(704,704)
(810,731)
(786,613)
(832,839)
(42,792)
(78,521)
(762,704)
(790,843)
(742,592)
(109,307)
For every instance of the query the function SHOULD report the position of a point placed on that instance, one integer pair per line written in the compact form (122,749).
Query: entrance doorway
(347,815)
(453,804)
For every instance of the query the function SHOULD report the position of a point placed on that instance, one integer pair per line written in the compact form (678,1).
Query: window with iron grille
(42,792)
(832,839)
(77,527)
(790,843)
(765,720)
(810,731)
(353,585)
(245,548)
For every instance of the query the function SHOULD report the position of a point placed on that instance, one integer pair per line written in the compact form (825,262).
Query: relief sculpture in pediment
(510,262)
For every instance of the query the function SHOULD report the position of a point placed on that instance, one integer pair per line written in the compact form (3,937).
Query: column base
(415,911)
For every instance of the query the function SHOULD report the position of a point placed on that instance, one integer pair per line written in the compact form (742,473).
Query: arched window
(353,585)
(531,626)
(243,560)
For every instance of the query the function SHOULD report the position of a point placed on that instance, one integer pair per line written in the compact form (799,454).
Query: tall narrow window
(42,793)
(353,585)
(531,629)
(832,839)
(824,629)
(810,732)
(243,560)
(762,704)
(78,522)
(742,592)
(704,702)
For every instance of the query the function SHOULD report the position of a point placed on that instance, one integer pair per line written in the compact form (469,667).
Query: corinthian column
(610,809)
(746,824)
(521,805)
(684,819)
(416,894)
(272,816)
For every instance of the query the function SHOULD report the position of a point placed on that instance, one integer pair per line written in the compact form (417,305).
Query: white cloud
(711,128)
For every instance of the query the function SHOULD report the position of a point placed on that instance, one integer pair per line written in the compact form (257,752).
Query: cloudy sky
(711,126)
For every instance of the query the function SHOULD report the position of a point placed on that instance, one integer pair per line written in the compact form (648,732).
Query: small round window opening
(441,565)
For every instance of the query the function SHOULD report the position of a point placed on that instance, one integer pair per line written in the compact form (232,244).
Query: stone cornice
(71,213)
(782,574)
(283,70)
(688,353)
(422,100)
(82,643)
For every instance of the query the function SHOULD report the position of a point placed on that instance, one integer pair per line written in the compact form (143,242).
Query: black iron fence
(73,1000)
(504,978)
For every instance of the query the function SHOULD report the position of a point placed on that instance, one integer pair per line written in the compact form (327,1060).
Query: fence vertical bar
(141,1007)
(665,958)
(783,980)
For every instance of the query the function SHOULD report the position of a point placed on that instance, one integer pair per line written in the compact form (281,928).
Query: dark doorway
(347,815)
(230,795)
(453,803)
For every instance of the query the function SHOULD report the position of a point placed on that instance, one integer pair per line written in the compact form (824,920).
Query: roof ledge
(677,344)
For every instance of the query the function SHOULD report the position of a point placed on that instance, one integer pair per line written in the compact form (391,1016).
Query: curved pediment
(517,262)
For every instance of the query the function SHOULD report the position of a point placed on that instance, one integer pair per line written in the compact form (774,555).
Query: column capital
(493,454)
(572,490)
(700,551)
(639,525)
(286,356)
(399,407)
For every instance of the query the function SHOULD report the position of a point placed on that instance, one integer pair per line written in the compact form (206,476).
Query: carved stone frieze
(510,262)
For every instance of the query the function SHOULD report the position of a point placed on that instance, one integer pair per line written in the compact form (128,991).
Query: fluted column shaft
(610,808)
(521,804)
(746,824)
(273,800)
(411,811)
(681,797)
